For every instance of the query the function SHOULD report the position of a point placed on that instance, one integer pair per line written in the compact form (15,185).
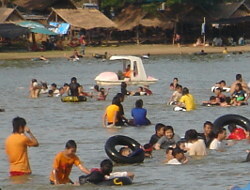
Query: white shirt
(216,145)
(174,161)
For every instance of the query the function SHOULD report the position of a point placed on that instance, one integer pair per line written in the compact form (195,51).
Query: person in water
(176,96)
(34,89)
(240,80)
(169,139)
(236,133)
(74,87)
(196,146)
(207,134)
(159,132)
(102,94)
(174,84)
(16,147)
(63,163)
(187,100)
(178,157)
(239,97)
(124,90)
(110,117)
(139,114)
(121,117)
(217,143)
(220,97)
(211,102)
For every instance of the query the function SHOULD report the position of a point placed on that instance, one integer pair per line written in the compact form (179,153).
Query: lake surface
(54,122)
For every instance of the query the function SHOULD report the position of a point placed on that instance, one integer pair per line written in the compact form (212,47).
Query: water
(54,122)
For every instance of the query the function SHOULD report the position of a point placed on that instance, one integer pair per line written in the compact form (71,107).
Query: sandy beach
(126,50)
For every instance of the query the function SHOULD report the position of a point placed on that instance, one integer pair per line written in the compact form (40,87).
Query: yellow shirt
(188,100)
(111,111)
(16,150)
(63,165)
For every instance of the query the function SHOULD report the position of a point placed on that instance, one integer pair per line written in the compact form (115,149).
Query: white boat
(138,75)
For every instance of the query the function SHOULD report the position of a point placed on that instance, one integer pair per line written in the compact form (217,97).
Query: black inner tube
(114,155)
(231,119)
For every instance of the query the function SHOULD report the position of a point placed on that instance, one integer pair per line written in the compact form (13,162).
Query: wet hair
(158,126)
(73,79)
(228,100)
(44,84)
(141,88)
(240,86)
(208,123)
(122,149)
(238,77)
(176,151)
(18,122)
(65,84)
(212,98)
(219,131)
(180,142)
(178,86)
(33,80)
(71,144)
(96,87)
(139,103)
(222,81)
(191,134)
(176,79)
(54,85)
(168,127)
(50,92)
(148,148)
(106,166)
(119,95)
(218,89)
(169,149)
(123,85)
(185,91)
(231,127)
(116,100)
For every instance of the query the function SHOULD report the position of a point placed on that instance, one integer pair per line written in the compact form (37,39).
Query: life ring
(136,157)
(74,99)
(229,119)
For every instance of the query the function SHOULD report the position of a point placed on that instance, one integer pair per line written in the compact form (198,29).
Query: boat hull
(128,82)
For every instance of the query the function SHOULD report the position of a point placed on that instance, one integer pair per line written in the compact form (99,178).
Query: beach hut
(8,15)
(135,18)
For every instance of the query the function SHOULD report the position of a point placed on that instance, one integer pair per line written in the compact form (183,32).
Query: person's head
(169,132)
(221,134)
(231,127)
(96,87)
(217,91)
(140,89)
(65,85)
(18,125)
(44,85)
(102,91)
(148,150)
(73,80)
(228,100)
(159,129)
(123,85)
(191,135)
(212,99)
(178,154)
(50,93)
(178,88)
(181,144)
(238,87)
(239,77)
(222,83)
(185,91)
(116,101)
(70,148)
(120,96)
(106,166)
(53,86)
(169,154)
(128,67)
(208,127)
(175,80)
(139,103)
(33,80)
(125,151)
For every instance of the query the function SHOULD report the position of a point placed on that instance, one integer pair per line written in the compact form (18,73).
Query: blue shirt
(139,115)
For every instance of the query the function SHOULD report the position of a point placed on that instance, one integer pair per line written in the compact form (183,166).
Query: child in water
(63,163)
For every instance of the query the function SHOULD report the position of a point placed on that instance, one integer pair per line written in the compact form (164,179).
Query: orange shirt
(16,150)
(63,165)
(127,74)
(110,111)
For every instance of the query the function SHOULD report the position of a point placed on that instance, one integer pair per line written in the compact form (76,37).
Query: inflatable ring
(113,154)
(74,99)
(230,119)
(117,181)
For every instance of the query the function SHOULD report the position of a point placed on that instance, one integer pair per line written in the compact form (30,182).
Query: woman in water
(239,97)
(187,100)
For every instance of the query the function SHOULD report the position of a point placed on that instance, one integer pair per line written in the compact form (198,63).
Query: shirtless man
(240,80)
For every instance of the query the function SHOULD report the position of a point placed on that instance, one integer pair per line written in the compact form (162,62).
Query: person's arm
(104,119)
(54,172)
(83,169)
(33,140)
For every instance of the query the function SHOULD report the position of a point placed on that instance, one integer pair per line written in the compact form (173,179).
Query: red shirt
(237,134)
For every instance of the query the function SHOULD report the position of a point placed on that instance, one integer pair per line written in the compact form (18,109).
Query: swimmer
(173,85)
(239,97)
(225,51)
(42,58)
(226,103)
(207,135)
(178,157)
(236,133)
(125,151)
(169,139)
(217,143)
(239,79)
(147,150)
(60,173)
(187,100)
(159,132)
(176,96)
(102,94)
(34,89)
(212,102)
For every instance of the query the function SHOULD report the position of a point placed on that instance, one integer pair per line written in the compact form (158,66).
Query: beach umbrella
(43,31)
(30,24)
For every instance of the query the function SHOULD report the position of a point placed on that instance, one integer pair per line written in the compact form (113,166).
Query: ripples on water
(54,122)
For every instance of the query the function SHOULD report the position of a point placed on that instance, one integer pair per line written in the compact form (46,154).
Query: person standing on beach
(82,43)
(16,147)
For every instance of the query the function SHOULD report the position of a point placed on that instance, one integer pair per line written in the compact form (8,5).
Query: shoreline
(155,49)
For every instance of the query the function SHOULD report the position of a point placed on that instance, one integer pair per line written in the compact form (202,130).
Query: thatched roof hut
(8,15)
(132,17)
(42,5)
(81,18)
